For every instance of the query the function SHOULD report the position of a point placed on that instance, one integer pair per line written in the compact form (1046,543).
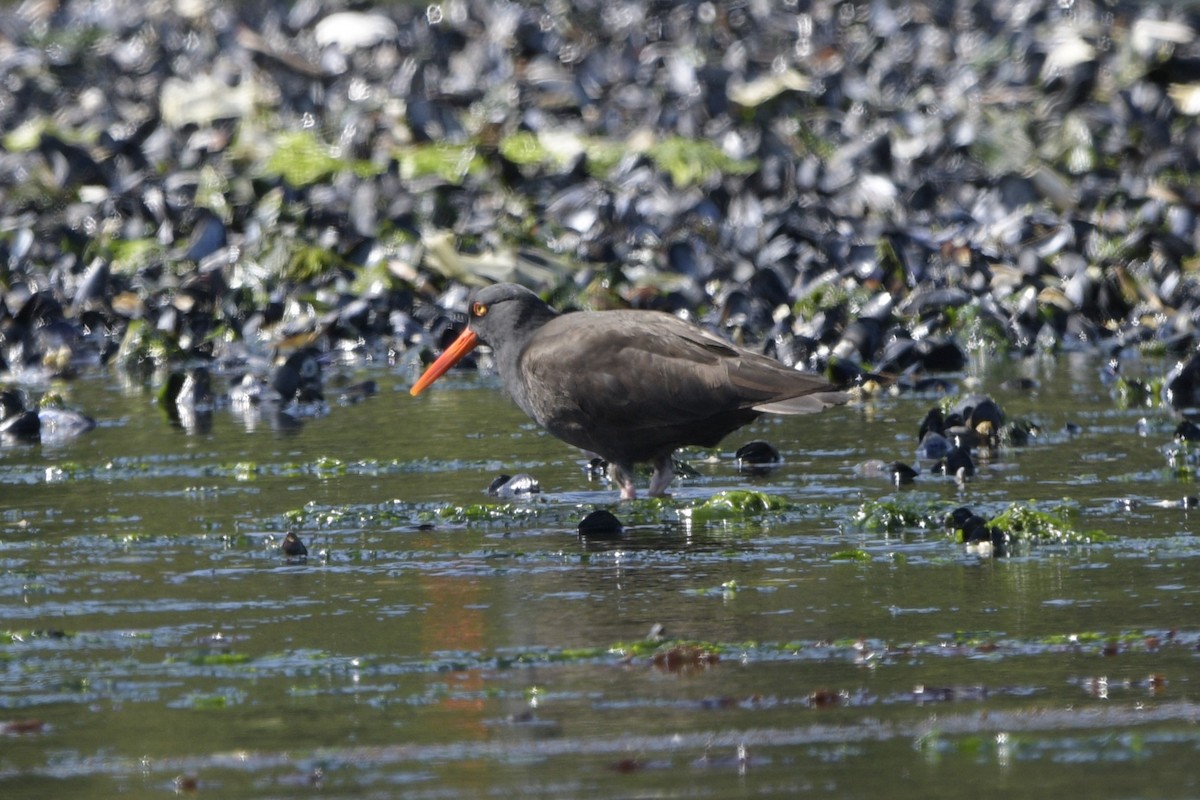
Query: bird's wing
(805,403)
(638,370)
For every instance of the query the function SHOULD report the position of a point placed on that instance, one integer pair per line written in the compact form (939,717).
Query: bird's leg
(664,471)
(622,476)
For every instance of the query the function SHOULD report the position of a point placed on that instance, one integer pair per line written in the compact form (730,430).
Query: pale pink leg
(664,471)
(624,478)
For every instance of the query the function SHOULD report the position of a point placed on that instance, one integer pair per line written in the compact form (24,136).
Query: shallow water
(441,643)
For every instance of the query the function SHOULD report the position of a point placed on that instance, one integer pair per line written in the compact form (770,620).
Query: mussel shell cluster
(848,186)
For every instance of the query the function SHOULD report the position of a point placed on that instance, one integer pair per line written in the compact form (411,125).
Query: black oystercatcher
(630,386)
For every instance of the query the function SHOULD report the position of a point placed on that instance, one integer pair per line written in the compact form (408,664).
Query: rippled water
(441,643)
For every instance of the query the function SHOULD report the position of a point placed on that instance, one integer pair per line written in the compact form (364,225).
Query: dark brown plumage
(630,386)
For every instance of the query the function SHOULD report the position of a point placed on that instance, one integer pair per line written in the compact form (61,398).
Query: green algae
(736,503)
(688,161)
(1024,522)
(301,159)
(144,346)
(1133,393)
(217,659)
(307,263)
(889,515)
(695,161)
(1019,522)
(22,636)
(451,162)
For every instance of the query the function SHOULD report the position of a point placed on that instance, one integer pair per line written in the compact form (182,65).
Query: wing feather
(635,372)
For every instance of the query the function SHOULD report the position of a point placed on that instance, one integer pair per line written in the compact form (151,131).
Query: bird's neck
(509,351)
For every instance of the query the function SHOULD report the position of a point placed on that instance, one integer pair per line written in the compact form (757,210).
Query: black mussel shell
(902,474)
(955,463)
(600,524)
(292,546)
(521,485)
(298,377)
(933,446)
(757,457)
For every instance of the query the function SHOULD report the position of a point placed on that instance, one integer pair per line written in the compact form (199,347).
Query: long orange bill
(464,344)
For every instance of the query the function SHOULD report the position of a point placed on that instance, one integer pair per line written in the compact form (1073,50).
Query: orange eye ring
(478,309)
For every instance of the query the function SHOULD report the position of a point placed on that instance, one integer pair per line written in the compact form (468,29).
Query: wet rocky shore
(209,189)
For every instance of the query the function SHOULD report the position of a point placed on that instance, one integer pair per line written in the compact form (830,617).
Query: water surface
(441,643)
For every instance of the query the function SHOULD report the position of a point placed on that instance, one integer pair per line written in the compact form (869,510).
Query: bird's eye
(478,309)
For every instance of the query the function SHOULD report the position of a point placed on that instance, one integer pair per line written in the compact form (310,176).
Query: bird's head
(500,315)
